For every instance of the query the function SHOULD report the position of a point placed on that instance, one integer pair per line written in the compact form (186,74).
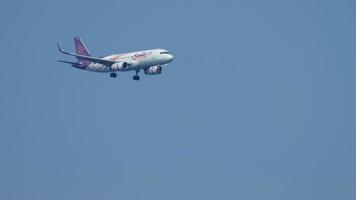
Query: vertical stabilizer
(81,49)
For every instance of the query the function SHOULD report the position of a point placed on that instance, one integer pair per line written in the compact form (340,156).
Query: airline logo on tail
(81,49)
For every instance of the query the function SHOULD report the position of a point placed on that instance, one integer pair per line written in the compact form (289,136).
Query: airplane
(150,61)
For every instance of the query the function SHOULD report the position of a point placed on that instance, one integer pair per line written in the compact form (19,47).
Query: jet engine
(119,66)
(153,70)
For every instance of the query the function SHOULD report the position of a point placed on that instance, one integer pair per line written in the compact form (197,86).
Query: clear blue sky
(258,104)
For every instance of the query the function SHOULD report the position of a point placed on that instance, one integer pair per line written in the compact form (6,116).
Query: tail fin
(81,49)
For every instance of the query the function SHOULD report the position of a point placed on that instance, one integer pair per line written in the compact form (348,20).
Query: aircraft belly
(143,64)
(98,68)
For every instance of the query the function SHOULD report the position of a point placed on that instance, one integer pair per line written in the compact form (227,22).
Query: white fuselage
(136,60)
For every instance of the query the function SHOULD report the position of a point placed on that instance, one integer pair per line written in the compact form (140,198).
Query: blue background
(259,102)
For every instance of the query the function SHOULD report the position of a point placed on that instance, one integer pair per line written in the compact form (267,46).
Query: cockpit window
(164,52)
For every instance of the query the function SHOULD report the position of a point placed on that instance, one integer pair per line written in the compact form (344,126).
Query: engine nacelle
(153,70)
(119,66)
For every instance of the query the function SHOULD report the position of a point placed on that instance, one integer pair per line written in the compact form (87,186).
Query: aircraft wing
(88,58)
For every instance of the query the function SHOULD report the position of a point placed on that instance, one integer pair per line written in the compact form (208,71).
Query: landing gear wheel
(136,77)
(113,75)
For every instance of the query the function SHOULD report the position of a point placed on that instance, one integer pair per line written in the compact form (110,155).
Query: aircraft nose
(170,57)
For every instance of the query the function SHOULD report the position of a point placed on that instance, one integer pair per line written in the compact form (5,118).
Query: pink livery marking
(142,55)
(115,58)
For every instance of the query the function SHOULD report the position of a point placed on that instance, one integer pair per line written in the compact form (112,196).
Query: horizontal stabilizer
(74,64)
(68,62)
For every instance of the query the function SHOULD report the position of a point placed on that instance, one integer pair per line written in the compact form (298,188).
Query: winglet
(59,48)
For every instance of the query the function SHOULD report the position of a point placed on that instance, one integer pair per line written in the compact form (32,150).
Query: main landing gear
(136,77)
